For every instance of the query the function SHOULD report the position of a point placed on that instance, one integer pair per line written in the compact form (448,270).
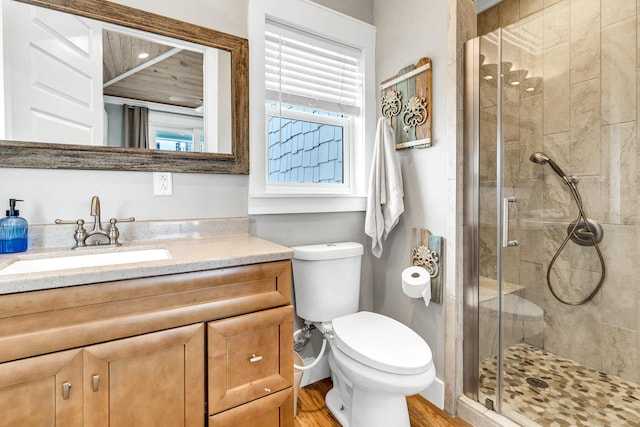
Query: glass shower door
(507,94)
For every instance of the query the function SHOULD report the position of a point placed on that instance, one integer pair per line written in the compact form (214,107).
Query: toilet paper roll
(416,283)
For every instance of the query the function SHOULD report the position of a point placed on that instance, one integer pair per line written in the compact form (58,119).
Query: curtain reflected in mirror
(135,126)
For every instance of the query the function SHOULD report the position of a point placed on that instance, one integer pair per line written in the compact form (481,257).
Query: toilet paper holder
(427,252)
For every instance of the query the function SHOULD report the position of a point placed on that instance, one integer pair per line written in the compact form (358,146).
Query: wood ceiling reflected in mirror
(140,69)
(187,91)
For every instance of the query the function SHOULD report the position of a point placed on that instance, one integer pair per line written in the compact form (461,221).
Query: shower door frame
(470,236)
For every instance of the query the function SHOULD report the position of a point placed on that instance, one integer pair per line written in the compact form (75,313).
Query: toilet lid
(382,343)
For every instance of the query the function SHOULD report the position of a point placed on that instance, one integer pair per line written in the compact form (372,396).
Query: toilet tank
(326,280)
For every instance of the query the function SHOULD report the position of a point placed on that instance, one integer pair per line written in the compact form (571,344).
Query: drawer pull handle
(96,383)
(254,358)
(66,389)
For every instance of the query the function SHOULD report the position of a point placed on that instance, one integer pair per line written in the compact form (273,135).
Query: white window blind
(310,71)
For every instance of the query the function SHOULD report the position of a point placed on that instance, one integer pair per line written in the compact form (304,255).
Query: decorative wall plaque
(406,102)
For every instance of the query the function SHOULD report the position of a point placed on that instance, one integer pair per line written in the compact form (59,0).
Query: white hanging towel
(385,201)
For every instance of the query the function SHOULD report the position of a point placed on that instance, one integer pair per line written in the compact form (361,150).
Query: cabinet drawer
(250,357)
(275,410)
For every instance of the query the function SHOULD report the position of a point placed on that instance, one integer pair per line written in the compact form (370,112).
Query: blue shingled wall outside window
(307,152)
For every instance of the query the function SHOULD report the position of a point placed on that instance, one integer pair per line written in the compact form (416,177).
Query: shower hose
(582,219)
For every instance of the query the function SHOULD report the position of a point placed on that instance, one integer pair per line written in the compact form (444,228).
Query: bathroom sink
(57,263)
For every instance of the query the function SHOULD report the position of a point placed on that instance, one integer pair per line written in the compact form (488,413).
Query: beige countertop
(184,255)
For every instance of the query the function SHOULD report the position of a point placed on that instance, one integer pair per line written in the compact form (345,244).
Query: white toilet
(375,361)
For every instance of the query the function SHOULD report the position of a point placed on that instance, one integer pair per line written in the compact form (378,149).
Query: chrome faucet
(97,222)
(81,234)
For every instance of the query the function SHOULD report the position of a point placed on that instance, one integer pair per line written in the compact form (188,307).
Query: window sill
(265,204)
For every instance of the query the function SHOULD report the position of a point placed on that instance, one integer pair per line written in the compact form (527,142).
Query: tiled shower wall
(581,60)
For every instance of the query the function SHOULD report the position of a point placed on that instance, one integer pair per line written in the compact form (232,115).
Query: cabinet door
(146,381)
(275,410)
(250,357)
(42,391)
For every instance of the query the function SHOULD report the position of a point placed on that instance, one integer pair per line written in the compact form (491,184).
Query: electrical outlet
(162,184)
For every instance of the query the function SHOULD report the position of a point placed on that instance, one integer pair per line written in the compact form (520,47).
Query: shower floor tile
(575,396)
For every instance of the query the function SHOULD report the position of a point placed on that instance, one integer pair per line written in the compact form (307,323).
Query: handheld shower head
(541,159)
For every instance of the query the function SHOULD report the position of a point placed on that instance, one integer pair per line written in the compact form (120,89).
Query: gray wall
(407,31)
(359,9)
(114,125)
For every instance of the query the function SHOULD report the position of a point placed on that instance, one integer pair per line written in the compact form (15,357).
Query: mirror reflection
(73,80)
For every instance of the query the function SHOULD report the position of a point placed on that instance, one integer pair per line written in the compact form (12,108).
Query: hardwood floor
(313,413)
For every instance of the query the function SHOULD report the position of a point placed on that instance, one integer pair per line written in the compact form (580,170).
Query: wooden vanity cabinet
(142,352)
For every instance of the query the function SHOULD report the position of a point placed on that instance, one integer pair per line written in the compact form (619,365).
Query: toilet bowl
(375,362)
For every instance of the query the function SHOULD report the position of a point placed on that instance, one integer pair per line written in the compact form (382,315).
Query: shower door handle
(506,243)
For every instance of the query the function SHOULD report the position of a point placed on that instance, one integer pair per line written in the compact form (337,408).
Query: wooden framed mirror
(63,155)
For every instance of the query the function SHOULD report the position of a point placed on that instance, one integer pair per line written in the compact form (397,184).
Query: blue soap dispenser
(13,230)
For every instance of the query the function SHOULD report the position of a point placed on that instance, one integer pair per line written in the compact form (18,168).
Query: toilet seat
(382,343)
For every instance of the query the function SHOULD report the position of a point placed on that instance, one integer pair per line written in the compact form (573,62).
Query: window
(306,146)
(313,91)
(176,141)
(174,132)
(315,85)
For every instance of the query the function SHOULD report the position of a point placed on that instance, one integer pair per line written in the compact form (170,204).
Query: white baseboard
(435,393)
